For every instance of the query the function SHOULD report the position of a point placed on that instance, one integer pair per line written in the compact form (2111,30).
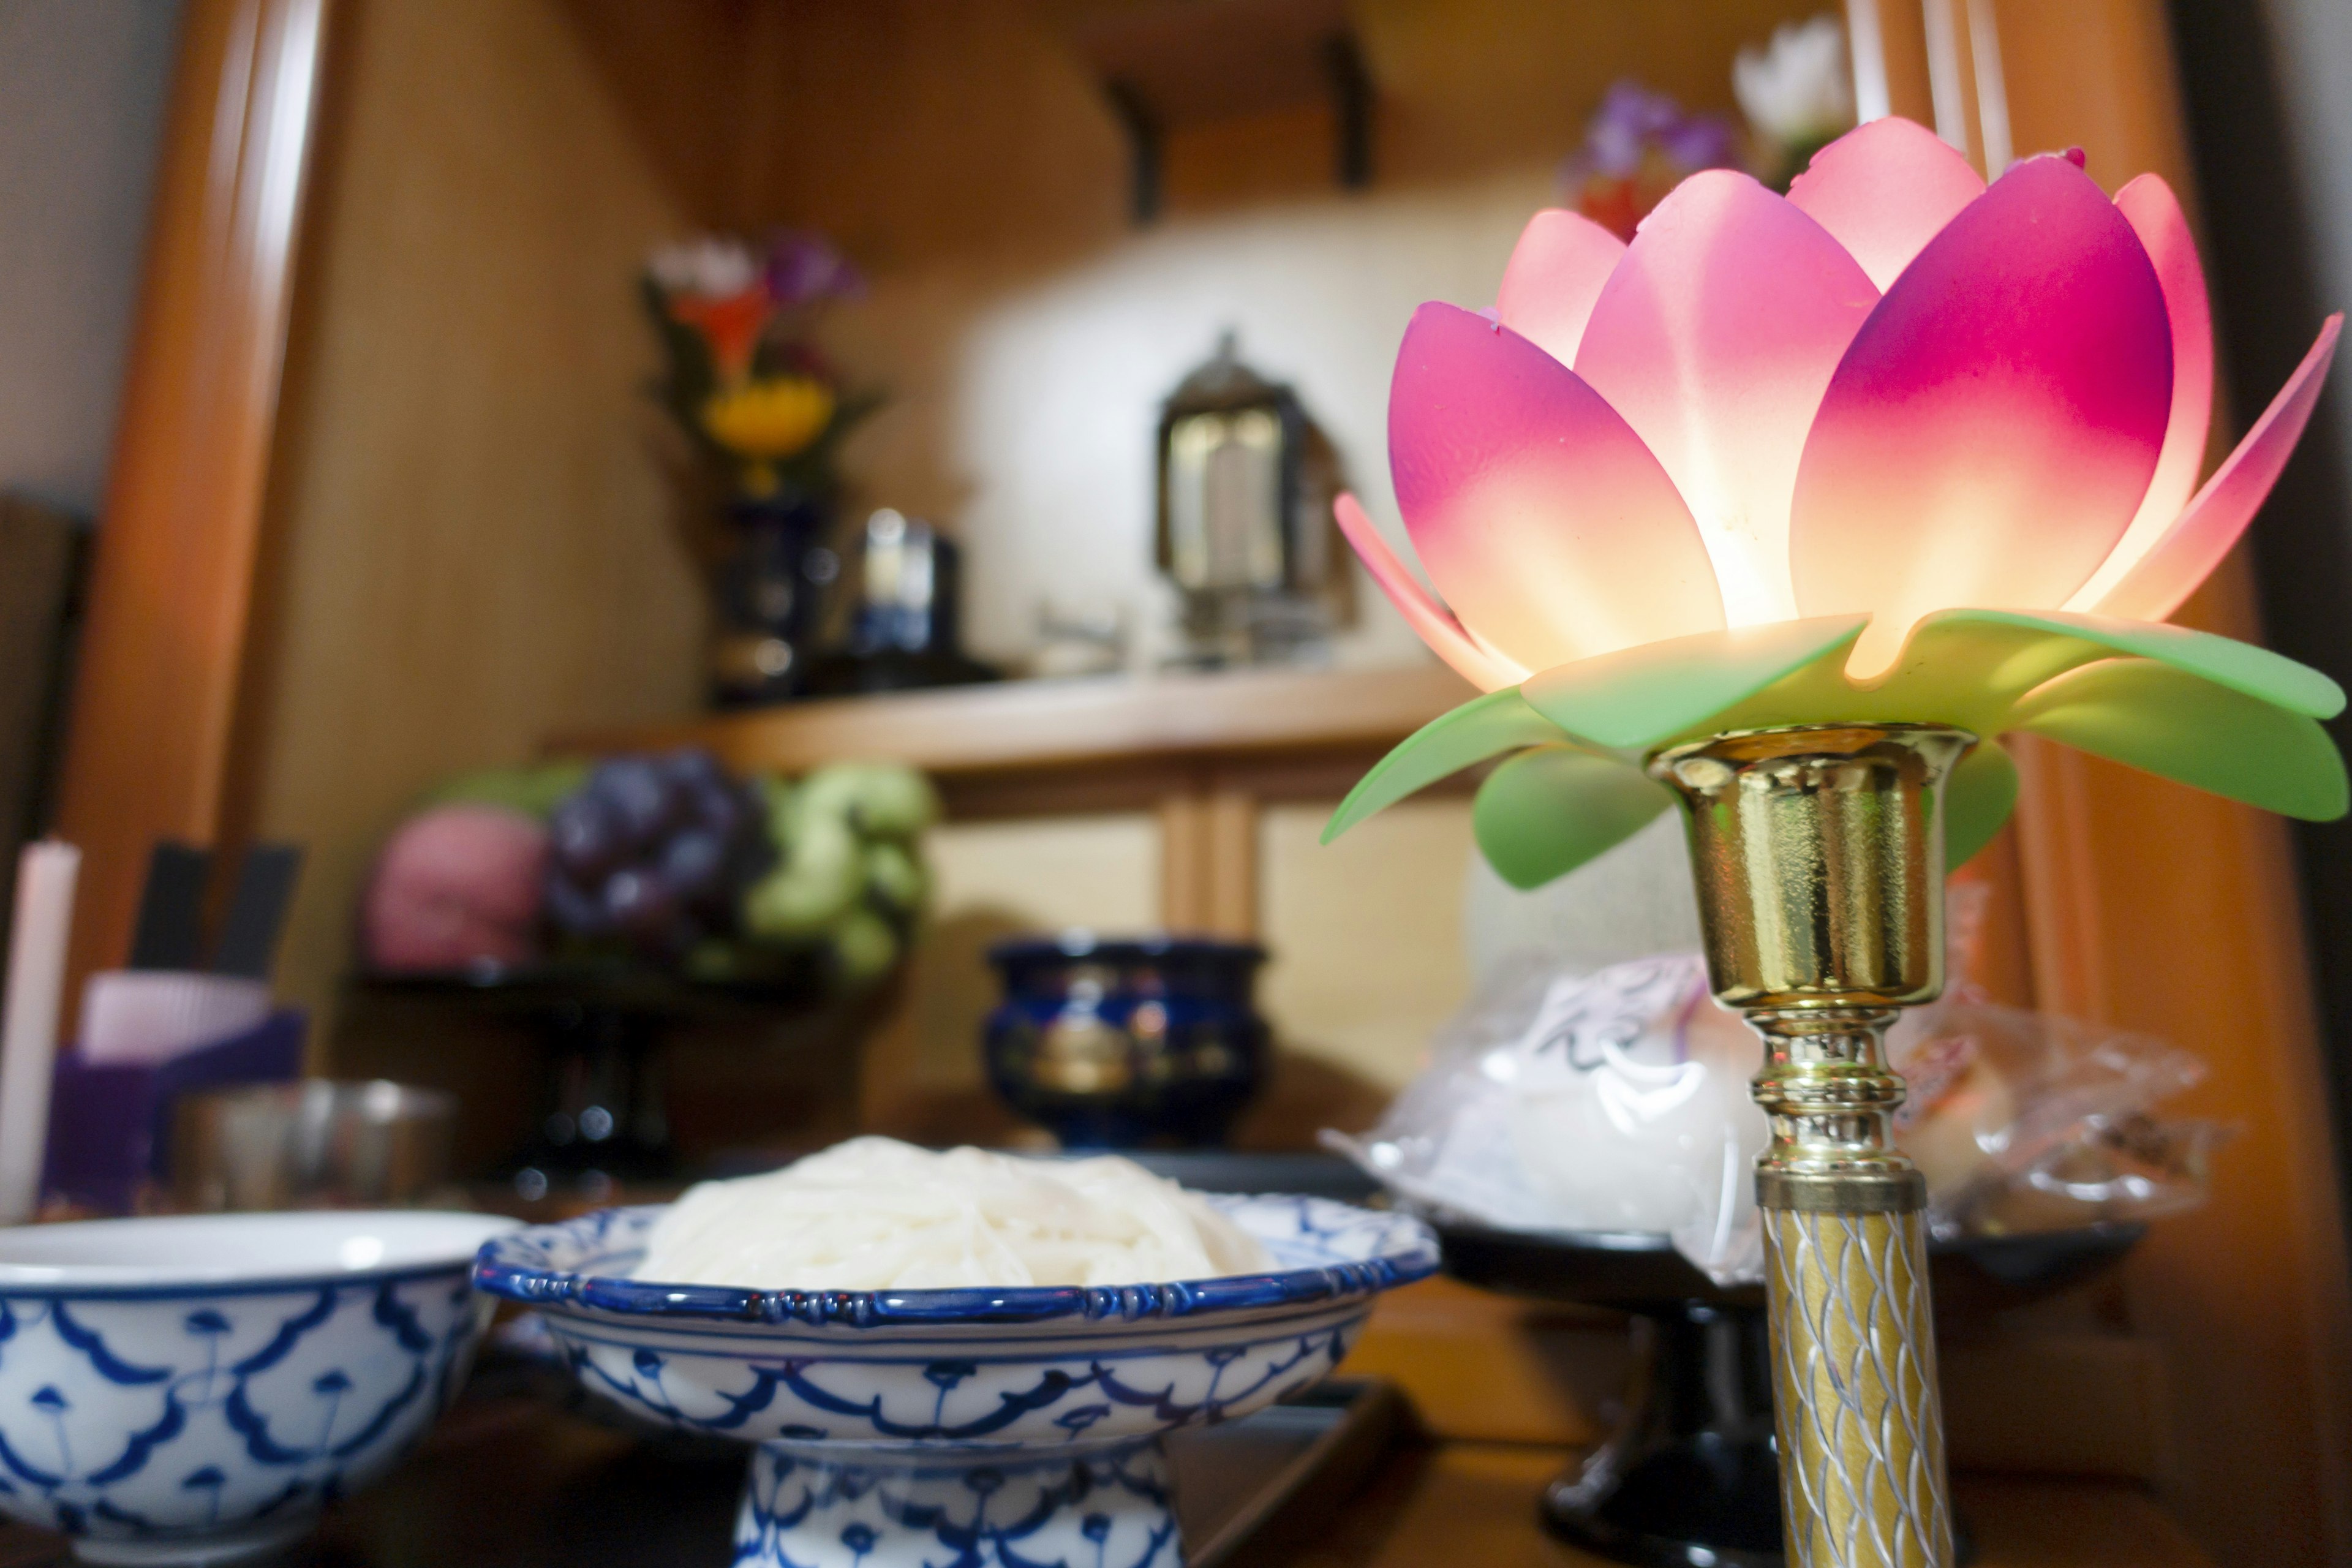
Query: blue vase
(1120,1045)
(769,598)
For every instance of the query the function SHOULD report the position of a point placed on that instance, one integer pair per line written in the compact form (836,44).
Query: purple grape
(721,808)
(573,911)
(584,838)
(694,769)
(654,851)
(640,903)
(694,864)
(639,796)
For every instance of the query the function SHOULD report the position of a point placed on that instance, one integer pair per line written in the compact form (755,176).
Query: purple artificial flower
(804,266)
(1632,122)
(1637,147)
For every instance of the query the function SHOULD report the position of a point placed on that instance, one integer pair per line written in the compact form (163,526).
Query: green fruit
(535,791)
(897,802)
(821,877)
(884,799)
(831,791)
(893,876)
(864,948)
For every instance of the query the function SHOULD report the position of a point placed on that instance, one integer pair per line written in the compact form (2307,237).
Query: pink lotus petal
(1885,189)
(1431,621)
(2154,213)
(1555,275)
(1543,519)
(1992,428)
(1714,339)
(2183,558)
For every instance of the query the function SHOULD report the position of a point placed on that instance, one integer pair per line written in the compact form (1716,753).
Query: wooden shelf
(1055,745)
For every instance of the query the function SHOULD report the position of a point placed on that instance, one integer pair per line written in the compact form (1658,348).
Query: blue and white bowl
(192,1390)
(986,1428)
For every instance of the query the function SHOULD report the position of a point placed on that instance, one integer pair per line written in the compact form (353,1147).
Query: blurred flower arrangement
(1796,93)
(667,861)
(745,379)
(1639,145)
(765,411)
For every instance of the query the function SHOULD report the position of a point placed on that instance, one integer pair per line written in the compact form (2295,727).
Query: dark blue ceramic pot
(1121,1045)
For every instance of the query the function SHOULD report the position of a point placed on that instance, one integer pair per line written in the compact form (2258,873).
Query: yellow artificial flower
(767,420)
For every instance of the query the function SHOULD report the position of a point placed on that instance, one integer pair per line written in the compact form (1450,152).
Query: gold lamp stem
(1819,856)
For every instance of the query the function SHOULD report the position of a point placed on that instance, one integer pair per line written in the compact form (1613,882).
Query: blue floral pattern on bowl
(194,1424)
(987,1427)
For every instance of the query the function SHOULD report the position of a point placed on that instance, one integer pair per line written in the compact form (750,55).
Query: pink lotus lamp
(1786,512)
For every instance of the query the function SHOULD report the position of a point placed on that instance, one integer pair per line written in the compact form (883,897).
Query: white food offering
(875,1213)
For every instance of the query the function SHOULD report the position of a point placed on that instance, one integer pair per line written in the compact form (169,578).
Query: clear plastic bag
(2029,1122)
(1616,1102)
(1619,1100)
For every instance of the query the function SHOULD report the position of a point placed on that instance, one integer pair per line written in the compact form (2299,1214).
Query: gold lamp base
(1819,853)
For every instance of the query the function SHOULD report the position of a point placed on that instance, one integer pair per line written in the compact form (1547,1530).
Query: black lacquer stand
(1689,1479)
(602,1118)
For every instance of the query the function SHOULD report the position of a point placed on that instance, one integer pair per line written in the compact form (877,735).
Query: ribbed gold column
(1819,857)
(1854,1400)
(1854,1391)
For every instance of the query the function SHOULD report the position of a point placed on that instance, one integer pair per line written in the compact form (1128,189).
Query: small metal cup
(313,1144)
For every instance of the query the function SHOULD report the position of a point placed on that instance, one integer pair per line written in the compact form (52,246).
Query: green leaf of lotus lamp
(1787,513)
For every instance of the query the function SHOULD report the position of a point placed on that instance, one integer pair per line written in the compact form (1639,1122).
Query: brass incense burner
(1819,853)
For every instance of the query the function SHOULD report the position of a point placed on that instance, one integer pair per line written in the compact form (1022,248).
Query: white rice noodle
(875,1213)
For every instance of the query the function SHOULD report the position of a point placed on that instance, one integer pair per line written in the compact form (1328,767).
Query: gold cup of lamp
(1819,855)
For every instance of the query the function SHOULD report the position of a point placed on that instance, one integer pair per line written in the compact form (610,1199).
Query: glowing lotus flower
(1896,448)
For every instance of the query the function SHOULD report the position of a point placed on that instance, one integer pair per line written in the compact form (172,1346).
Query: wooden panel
(2155,908)
(1366,933)
(1183,860)
(1232,859)
(1489,1368)
(2073,1404)
(1899,28)
(1209,858)
(473,538)
(2069,1524)
(148,751)
(1476,1503)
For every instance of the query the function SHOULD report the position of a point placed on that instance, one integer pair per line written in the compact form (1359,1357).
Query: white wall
(1059,385)
(82,84)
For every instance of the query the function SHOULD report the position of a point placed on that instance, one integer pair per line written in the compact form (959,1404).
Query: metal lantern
(1246,487)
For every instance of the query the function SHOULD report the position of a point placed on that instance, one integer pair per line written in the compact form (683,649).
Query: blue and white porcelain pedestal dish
(1103,1506)
(984,1428)
(192,1391)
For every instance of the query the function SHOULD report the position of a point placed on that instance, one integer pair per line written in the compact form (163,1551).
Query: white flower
(1796,90)
(712,267)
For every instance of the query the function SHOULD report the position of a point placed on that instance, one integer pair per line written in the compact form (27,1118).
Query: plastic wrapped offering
(1618,1101)
(1612,1102)
(2026,1122)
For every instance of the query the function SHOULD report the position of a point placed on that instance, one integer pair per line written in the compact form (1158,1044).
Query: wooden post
(149,738)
